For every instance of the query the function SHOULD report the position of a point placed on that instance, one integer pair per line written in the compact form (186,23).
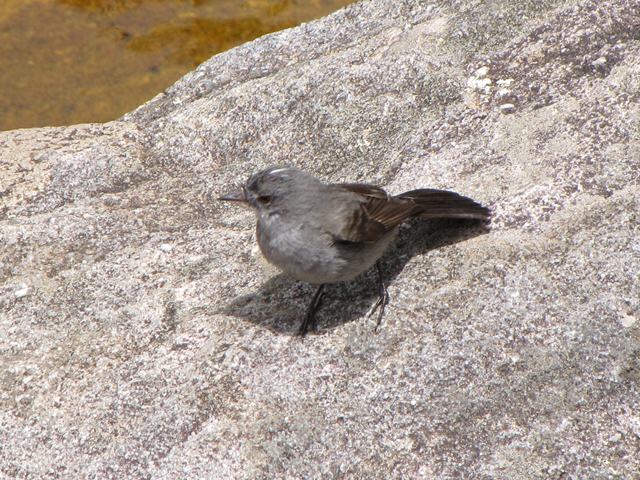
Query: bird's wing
(379,212)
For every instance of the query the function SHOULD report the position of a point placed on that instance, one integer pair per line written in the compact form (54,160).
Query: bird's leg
(310,317)
(383,298)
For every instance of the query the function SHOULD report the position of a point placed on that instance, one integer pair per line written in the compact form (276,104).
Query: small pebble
(482,72)
(506,82)
(165,247)
(599,62)
(627,320)
(23,292)
(196,259)
(615,438)
(479,83)
(507,108)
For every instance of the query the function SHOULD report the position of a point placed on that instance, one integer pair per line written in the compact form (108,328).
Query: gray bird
(325,233)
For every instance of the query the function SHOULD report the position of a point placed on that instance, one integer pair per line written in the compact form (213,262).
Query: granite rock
(142,336)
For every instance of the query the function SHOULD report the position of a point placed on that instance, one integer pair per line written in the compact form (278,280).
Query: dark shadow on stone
(280,303)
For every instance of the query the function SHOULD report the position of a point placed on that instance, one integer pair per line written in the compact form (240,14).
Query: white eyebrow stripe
(278,170)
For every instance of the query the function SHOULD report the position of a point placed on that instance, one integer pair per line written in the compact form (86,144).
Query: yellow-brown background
(72,61)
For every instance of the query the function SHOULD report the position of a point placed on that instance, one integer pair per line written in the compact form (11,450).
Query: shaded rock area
(142,336)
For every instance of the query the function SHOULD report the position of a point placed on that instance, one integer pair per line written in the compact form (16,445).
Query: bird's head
(267,191)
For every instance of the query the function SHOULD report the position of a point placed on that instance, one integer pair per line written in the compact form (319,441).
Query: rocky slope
(141,335)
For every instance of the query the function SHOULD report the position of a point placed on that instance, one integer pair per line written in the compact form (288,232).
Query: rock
(507,108)
(599,62)
(512,351)
(482,72)
(615,438)
(503,93)
(479,83)
(627,320)
(23,291)
(504,82)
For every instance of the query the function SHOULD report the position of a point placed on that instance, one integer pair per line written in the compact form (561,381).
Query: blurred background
(73,61)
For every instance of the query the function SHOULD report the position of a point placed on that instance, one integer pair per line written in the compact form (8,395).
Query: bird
(323,233)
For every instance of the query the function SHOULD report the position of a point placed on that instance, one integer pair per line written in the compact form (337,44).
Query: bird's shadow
(281,302)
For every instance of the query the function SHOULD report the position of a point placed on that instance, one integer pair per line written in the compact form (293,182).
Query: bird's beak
(239,196)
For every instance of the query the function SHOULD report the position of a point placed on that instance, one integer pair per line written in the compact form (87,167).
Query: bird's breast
(311,254)
(298,250)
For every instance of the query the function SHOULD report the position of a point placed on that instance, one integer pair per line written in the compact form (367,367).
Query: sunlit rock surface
(142,336)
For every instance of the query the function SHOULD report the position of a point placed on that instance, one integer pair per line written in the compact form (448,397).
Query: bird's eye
(264,199)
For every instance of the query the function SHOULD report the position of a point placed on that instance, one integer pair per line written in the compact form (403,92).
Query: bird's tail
(432,203)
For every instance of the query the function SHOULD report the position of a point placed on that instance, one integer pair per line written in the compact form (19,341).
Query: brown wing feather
(390,212)
(381,212)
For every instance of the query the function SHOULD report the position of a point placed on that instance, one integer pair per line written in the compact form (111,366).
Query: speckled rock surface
(141,335)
